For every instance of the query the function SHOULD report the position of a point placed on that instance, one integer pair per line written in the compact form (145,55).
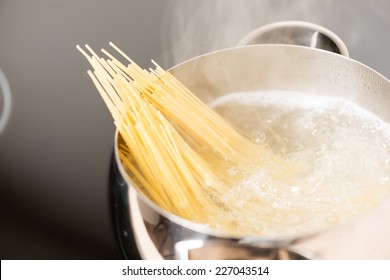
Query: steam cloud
(194,27)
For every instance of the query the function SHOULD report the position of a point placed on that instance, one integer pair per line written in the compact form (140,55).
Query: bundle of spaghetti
(165,126)
(195,120)
(169,171)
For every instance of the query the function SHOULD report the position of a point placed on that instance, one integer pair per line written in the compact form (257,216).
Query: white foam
(346,149)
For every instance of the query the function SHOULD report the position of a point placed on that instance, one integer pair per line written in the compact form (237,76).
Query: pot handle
(296,33)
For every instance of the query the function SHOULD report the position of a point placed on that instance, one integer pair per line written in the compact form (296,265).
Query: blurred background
(56,135)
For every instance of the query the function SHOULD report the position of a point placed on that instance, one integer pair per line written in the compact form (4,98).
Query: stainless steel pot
(162,235)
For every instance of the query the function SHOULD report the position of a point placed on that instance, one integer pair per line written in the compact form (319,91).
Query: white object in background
(6,110)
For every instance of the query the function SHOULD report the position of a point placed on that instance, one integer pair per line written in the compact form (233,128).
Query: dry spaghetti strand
(164,126)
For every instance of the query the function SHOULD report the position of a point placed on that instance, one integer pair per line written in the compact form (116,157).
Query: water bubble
(378,124)
(384,180)
(295,190)
(257,136)
(346,150)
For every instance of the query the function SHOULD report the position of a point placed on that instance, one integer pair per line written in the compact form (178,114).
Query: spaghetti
(191,162)
(165,126)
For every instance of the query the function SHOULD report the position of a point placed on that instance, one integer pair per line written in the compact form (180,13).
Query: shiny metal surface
(5,101)
(298,33)
(271,67)
(230,250)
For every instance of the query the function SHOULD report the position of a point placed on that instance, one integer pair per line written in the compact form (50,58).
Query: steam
(195,27)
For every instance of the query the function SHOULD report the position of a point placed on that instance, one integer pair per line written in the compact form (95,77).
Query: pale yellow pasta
(164,127)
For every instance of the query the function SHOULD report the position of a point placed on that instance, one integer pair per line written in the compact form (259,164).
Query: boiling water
(343,152)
